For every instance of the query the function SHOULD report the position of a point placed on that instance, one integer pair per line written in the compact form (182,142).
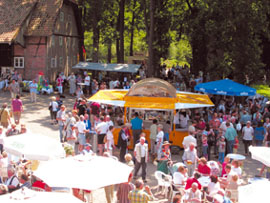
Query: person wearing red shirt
(203,168)
(40,184)
(193,180)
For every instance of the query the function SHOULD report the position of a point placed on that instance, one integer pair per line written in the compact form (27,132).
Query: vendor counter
(176,137)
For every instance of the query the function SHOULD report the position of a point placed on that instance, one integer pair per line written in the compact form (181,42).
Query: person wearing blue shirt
(88,127)
(136,126)
(259,134)
(33,90)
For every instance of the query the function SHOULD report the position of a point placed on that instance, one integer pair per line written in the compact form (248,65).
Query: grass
(262,90)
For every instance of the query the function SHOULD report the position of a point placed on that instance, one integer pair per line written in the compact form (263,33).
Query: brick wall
(35,54)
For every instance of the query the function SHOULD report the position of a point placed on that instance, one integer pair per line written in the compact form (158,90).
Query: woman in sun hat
(164,157)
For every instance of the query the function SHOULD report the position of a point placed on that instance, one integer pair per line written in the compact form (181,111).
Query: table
(256,179)
(204,181)
(236,157)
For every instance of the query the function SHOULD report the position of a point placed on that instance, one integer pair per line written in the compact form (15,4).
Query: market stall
(153,98)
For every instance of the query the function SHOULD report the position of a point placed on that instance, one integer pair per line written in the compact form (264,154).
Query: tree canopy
(225,38)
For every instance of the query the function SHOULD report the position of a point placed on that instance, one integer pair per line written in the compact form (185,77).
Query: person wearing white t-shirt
(87,83)
(101,129)
(81,127)
(189,139)
(109,145)
(236,168)
(53,107)
(213,186)
(176,120)
(248,133)
(223,127)
(109,121)
(180,177)
(159,138)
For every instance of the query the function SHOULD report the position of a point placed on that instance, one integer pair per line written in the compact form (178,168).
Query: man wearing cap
(136,126)
(61,118)
(141,155)
(87,150)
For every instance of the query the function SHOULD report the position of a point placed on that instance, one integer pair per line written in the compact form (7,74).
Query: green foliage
(262,90)
(222,37)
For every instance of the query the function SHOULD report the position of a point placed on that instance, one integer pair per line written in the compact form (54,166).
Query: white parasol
(34,147)
(255,192)
(261,154)
(29,196)
(83,172)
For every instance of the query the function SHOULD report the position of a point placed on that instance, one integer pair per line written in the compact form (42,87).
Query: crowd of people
(213,133)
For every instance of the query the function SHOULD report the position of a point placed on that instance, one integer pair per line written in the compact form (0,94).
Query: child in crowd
(226,161)
(129,161)
(236,145)
(205,144)
(232,188)
(221,149)
(236,168)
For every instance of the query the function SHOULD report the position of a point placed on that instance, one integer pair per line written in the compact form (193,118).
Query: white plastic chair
(162,182)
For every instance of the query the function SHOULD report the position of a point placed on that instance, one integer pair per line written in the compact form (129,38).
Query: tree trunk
(121,30)
(109,53)
(117,43)
(96,30)
(150,69)
(132,29)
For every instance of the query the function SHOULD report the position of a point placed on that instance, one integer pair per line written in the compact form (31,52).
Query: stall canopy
(152,93)
(225,87)
(261,154)
(125,68)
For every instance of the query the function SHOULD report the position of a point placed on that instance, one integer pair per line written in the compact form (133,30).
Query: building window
(69,18)
(52,41)
(53,62)
(18,62)
(60,61)
(62,16)
(60,41)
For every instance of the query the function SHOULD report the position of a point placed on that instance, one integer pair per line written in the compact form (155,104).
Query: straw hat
(166,143)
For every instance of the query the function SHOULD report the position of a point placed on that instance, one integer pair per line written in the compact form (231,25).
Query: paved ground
(36,117)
